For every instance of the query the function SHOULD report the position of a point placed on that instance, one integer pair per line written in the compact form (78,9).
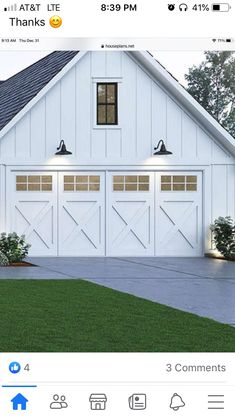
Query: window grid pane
(102,114)
(131,187)
(166,179)
(110,114)
(81,179)
(34,187)
(118,187)
(178,179)
(33,179)
(81,187)
(130,183)
(191,179)
(118,179)
(191,187)
(34,183)
(94,187)
(68,179)
(166,187)
(179,183)
(82,183)
(69,187)
(107,104)
(143,187)
(179,187)
(110,91)
(101,93)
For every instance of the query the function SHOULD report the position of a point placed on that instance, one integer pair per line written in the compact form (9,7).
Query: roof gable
(20,92)
(17,91)
(170,84)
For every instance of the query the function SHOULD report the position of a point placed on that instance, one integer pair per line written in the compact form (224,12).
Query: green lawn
(75,315)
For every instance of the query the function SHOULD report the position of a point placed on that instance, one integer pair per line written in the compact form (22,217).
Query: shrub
(13,247)
(3,260)
(224,236)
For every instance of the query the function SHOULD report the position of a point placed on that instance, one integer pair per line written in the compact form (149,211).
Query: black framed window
(107,113)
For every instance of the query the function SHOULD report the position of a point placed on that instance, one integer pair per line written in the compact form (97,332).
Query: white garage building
(111,196)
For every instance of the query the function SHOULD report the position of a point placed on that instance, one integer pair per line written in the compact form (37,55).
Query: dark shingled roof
(22,87)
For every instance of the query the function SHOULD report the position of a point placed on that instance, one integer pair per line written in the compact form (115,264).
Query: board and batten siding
(223,191)
(146,113)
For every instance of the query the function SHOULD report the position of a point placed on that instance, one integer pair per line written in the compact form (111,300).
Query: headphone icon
(183,7)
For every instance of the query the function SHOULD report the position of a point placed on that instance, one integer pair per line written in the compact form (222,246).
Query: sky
(176,62)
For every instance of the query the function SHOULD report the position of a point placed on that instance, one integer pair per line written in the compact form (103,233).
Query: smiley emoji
(55,21)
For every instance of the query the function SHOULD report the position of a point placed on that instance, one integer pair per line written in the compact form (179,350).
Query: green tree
(212,84)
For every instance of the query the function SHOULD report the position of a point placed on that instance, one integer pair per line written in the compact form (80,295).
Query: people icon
(58,402)
(63,403)
(55,404)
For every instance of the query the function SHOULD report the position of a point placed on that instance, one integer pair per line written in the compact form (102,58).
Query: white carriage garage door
(139,213)
(178,214)
(32,210)
(59,213)
(81,214)
(130,212)
(154,214)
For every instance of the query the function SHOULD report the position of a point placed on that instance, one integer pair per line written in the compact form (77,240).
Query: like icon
(14,367)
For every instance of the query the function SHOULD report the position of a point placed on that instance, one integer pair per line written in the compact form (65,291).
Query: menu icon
(215,401)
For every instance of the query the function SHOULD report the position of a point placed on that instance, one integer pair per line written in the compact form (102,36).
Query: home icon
(19,402)
(98,401)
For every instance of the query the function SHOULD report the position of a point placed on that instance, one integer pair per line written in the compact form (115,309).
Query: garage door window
(81,183)
(33,183)
(130,183)
(179,183)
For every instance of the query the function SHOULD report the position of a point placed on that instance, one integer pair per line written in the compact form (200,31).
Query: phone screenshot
(117,209)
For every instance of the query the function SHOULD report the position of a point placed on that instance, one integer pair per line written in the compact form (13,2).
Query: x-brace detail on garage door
(131,224)
(36,221)
(80,227)
(178,224)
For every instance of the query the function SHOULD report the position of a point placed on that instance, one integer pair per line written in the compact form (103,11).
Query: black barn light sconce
(62,149)
(162,150)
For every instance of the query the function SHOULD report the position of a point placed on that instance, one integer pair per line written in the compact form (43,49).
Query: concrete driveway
(199,285)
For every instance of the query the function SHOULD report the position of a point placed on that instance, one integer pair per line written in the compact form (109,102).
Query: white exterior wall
(219,196)
(223,190)
(146,114)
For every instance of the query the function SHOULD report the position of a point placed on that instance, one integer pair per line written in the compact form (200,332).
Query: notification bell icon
(176,402)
